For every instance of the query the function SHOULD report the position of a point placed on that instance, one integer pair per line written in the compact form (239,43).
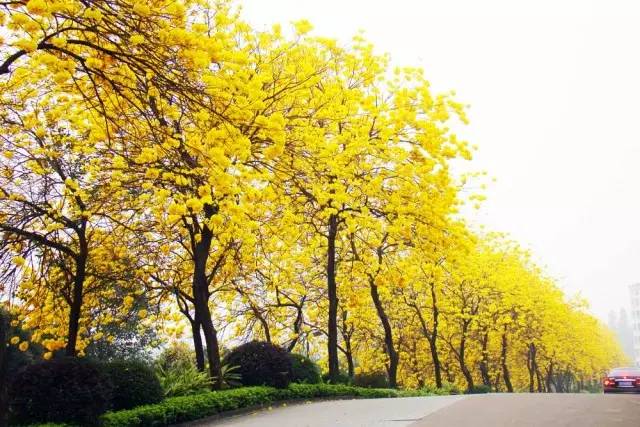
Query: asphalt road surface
(492,410)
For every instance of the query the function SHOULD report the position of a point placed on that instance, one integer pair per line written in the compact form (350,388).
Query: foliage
(230,377)
(123,341)
(65,390)
(371,380)
(166,170)
(182,380)
(449,388)
(261,363)
(479,389)
(134,384)
(342,378)
(188,408)
(304,370)
(176,356)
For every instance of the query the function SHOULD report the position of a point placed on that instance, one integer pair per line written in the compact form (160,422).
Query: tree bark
(201,304)
(332,293)
(531,366)
(484,363)
(539,380)
(197,343)
(432,335)
(461,354)
(433,342)
(347,349)
(297,326)
(503,362)
(351,369)
(392,354)
(77,294)
(549,378)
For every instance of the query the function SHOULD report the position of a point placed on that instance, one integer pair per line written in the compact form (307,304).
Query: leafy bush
(450,388)
(261,363)
(134,384)
(304,370)
(177,355)
(182,380)
(189,408)
(230,376)
(343,378)
(64,390)
(479,389)
(15,358)
(371,380)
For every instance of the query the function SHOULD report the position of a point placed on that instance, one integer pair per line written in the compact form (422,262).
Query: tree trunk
(539,380)
(351,369)
(347,349)
(433,342)
(432,336)
(197,344)
(437,366)
(503,362)
(201,304)
(201,300)
(297,326)
(531,366)
(484,363)
(416,367)
(392,354)
(332,292)
(263,323)
(77,294)
(461,354)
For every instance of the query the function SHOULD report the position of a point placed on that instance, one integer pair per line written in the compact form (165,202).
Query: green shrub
(304,370)
(189,408)
(68,390)
(182,380)
(177,355)
(134,384)
(450,388)
(230,376)
(343,378)
(479,389)
(445,390)
(261,363)
(371,380)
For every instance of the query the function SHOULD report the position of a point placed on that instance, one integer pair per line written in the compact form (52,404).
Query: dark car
(622,380)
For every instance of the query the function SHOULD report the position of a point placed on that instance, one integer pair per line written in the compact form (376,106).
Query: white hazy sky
(554,89)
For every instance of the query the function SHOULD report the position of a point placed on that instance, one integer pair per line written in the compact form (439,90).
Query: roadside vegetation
(170,175)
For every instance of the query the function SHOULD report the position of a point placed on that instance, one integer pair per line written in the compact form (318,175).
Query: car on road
(622,380)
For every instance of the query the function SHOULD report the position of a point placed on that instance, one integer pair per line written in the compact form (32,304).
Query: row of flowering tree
(165,165)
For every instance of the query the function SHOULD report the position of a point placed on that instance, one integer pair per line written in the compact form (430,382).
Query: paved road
(493,410)
(533,410)
(343,413)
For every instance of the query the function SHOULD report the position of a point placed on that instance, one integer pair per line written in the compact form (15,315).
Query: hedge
(189,408)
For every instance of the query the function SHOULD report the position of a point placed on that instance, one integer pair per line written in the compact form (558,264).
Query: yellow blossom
(141,9)
(37,7)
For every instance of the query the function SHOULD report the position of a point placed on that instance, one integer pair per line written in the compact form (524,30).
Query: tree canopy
(165,166)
